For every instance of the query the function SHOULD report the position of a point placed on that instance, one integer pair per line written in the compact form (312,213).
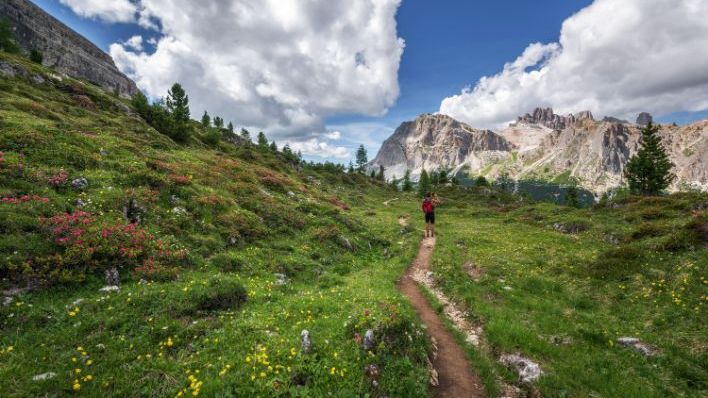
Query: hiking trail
(454,374)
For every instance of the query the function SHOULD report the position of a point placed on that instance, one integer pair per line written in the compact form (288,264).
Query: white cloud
(614,57)
(333,135)
(107,10)
(135,42)
(281,66)
(317,148)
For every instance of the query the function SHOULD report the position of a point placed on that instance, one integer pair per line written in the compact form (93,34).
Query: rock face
(434,142)
(62,48)
(644,118)
(542,145)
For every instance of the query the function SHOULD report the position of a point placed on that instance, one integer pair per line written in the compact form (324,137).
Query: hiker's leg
(432,229)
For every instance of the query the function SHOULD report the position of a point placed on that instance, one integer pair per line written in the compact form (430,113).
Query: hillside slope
(226,253)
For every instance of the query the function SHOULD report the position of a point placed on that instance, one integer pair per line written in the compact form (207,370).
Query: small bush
(219,294)
(228,261)
(620,261)
(646,230)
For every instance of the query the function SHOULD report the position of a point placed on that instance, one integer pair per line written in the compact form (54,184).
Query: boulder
(305,342)
(369,342)
(79,183)
(637,345)
(527,369)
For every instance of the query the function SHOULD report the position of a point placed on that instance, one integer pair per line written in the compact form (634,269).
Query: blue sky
(449,45)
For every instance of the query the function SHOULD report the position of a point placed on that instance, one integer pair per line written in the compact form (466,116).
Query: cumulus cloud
(135,42)
(321,149)
(334,135)
(281,66)
(109,11)
(614,57)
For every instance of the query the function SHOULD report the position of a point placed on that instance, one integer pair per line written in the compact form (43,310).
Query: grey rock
(569,227)
(346,243)
(103,152)
(79,203)
(281,279)
(44,376)
(644,118)
(133,212)
(112,277)
(528,370)
(79,183)
(305,342)
(174,200)
(637,345)
(369,342)
(179,211)
(64,49)
(612,119)
(109,288)
(37,79)
(6,69)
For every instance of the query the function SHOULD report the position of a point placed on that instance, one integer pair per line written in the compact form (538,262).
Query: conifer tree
(571,194)
(178,108)
(274,147)
(206,120)
(8,43)
(36,56)
(407,185)
(423,183)
(218,122)
(648,171)
(351,167)
(246,136)
(382,175)
(231,128)
(361,159)
(262,141)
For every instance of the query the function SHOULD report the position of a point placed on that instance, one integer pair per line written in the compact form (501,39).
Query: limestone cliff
(63,49)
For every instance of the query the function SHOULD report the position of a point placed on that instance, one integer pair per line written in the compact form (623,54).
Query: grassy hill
(226,252)
(198,233)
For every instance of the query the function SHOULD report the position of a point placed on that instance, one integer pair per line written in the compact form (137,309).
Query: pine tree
(178,108)
(8,43)
(262,142)
(351,168)
(274,147)
(423,183)
(246,136)
(407,185)
(361,159)
(648,172)
(141,105)
(218,122)
(206,120)
(36,56)
(382,175)
(230,128)
(571,194)
(443,177)
(394,182)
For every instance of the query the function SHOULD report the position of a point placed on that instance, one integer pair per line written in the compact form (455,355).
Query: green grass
(577,288)
(207,321)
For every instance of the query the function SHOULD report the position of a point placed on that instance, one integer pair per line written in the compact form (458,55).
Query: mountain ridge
(542,145)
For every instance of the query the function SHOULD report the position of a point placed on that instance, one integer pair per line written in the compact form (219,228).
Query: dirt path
(455,376)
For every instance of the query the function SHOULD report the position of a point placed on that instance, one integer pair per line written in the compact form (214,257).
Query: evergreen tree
(213,136)
(443,177)
(36,56)
(571,194)
(218,122)
(274,147)
(141,105)
(382,175)
(8,43)
(648,171)
(434,178)
(230,128)
(206,120)
(361,159)
(394,182)
(480,181)
(407,185)
(351,167)
(246,136)
(262,142)
(423,183)
(178,108)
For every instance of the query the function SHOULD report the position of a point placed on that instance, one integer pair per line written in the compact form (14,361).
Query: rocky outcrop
(63,49)
(546,117)
(542,145)
(644,118)
(433,142)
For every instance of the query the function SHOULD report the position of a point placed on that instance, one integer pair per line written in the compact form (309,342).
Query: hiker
(429,203)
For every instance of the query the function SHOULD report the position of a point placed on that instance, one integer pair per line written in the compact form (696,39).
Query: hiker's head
(428,194)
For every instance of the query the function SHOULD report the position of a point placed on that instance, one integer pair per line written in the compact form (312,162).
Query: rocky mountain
(543,145)
(63,49)
(435,142)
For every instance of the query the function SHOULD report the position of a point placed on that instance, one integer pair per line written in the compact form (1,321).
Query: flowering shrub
(181,180)
(59,179)
(84,243)
(23,199)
